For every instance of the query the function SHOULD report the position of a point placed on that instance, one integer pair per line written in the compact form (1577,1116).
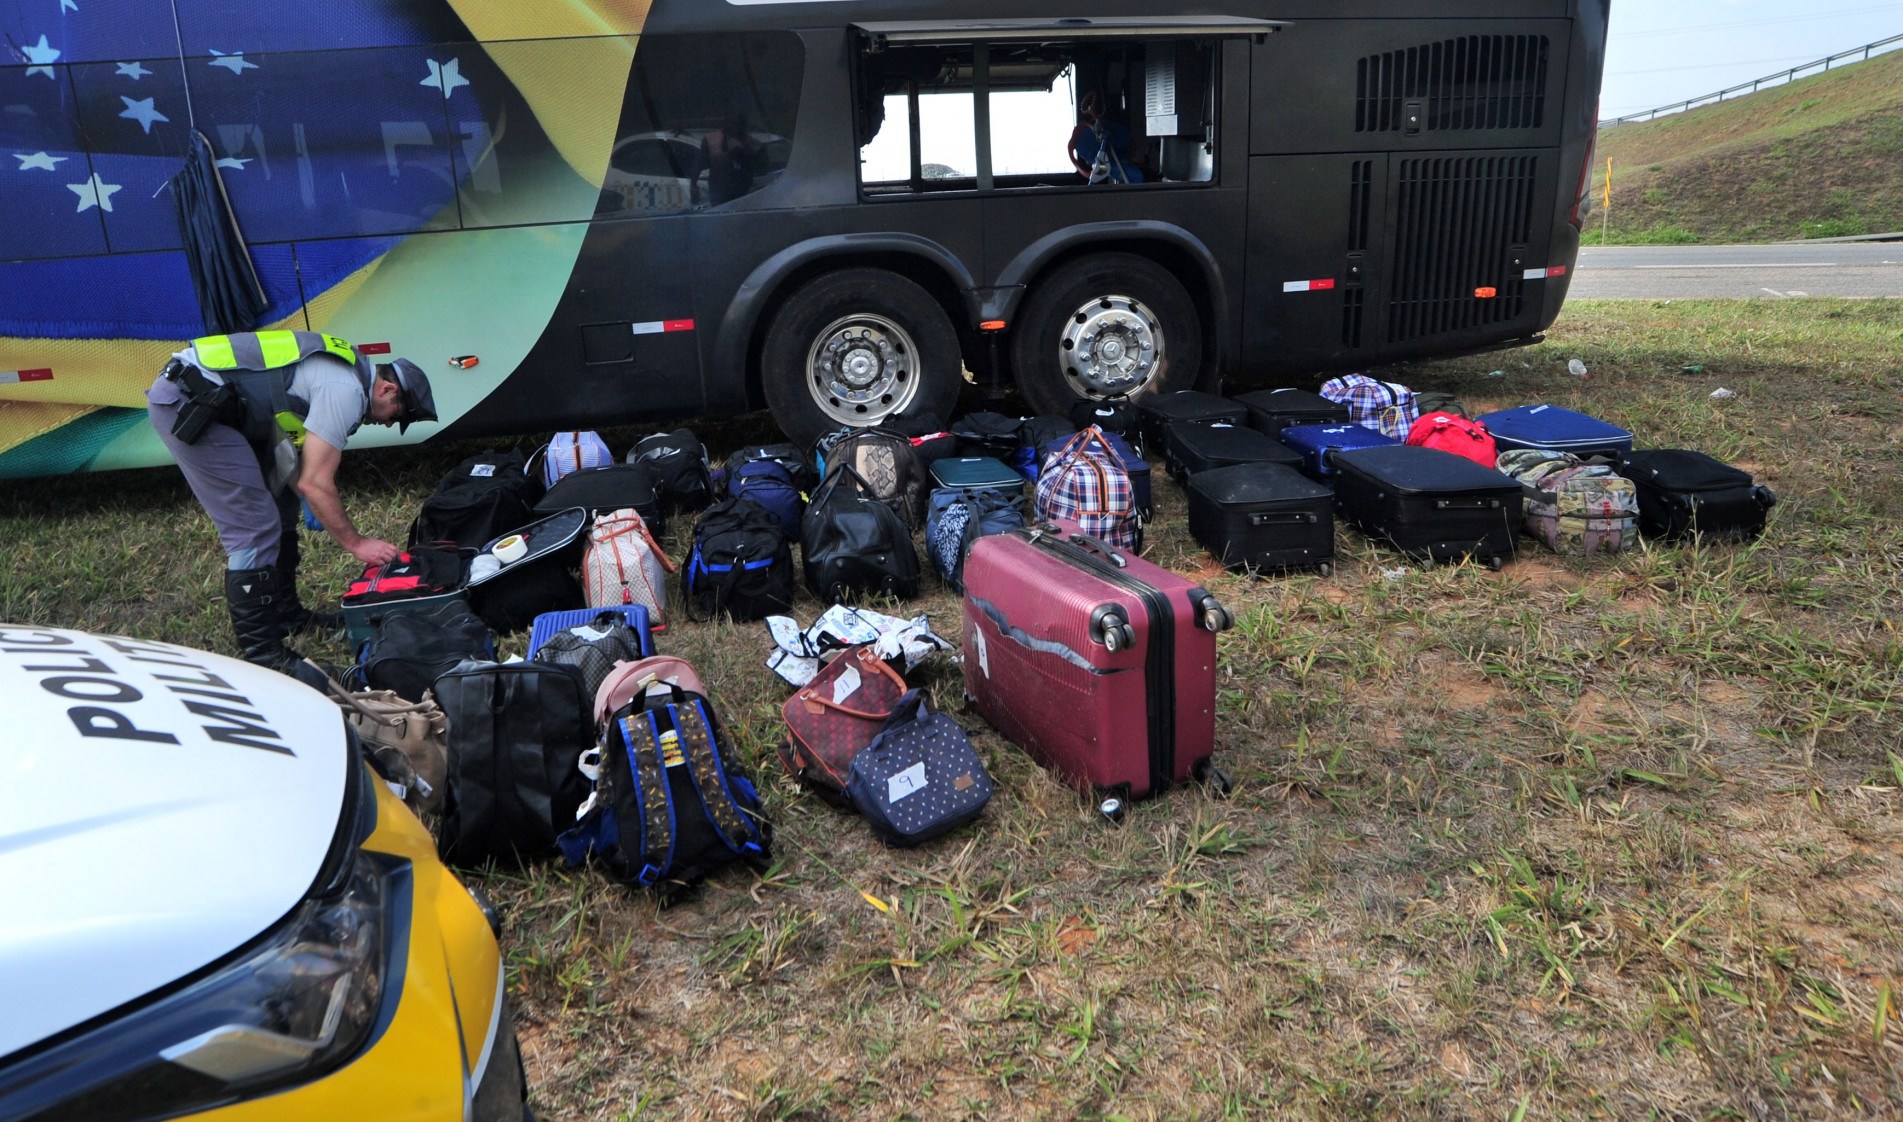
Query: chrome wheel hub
(862,368)
(1111,346)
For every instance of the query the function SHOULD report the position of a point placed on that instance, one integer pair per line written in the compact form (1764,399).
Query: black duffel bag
(678,460)
(414,646)
(516,734)
(740,564)
(851,542)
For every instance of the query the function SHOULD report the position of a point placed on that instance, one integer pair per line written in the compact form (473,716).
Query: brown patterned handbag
(835,715)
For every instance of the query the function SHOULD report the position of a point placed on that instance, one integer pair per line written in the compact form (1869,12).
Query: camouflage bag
(1573,506)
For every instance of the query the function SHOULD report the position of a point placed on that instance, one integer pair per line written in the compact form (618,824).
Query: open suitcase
(1198,446)
(1099,664)
(1263,516)
(1430,504)
(1554,429)
(1271,411)
(1317,444)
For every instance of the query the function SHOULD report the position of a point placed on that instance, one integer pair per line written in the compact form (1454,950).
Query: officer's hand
(374,551)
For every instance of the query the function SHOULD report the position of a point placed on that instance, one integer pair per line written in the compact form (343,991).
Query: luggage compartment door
(1314,242)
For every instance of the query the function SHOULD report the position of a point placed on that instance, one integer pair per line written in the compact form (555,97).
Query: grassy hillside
(1821,157)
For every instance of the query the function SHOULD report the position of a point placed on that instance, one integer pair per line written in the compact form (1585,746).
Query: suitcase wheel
(1112,809)
(1496,563)
(1325,569)
(1214,780)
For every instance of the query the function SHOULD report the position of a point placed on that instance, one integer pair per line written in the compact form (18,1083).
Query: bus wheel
(1107,325)
(852,348)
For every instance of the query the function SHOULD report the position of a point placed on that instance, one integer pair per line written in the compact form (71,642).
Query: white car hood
(159,807)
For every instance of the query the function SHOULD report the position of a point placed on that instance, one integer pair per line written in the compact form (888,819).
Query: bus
(611,212)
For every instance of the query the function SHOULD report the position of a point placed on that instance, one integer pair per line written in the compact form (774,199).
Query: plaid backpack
(1083,482)
(1573,506)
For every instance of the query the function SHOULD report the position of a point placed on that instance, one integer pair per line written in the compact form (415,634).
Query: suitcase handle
(1467,504)
(1096,545)
(1289,518)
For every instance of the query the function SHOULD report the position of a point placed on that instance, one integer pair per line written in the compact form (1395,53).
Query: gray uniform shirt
(335,393)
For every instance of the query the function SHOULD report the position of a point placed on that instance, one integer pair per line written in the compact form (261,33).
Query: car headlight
(294,1006)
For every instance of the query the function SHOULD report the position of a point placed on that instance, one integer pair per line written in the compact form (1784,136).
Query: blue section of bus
(149,295)
(118,30)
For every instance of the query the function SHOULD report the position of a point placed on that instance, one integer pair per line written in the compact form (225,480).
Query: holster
(205,402)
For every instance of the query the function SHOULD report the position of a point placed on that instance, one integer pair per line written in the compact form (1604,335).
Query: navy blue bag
(960,517)
(667,803)
(740,564)
(770,486)
(920,778)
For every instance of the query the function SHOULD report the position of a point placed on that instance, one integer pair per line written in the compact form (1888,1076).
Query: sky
(1661,53)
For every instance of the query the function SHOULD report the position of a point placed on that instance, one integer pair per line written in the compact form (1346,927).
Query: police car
(209,906)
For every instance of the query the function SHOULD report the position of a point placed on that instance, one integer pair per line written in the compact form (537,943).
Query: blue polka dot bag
(920,778)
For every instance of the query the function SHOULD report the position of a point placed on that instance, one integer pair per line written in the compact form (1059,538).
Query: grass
(1569,841)
(1816,158)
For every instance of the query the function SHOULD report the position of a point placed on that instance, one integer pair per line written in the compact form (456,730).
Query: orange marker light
(1485,293)
(992,325)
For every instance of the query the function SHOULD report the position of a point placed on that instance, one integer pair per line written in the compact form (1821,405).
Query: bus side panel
(1316,260)
(1352,86)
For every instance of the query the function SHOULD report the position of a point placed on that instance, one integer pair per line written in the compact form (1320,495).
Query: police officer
(256,421)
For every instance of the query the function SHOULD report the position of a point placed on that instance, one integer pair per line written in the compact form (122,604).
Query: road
(1768,272)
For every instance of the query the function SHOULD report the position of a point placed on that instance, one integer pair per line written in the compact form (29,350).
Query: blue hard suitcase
(1551,428)
(977,473)
(549,624)
(1317,442)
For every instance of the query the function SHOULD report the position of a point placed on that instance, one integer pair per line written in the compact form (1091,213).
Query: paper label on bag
(846,685)
(588,634)
(908,782)
(984,656)
(482,471)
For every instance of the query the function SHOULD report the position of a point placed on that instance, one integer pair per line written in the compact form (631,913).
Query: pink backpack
(1450,432)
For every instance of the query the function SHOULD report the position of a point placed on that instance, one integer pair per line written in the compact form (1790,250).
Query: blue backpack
(958,518)
(768,485)
(668,805)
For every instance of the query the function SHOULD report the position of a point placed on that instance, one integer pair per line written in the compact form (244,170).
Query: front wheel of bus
(854,347)
(1107,325)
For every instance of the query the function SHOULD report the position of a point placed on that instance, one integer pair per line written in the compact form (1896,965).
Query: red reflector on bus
(1485,293)
(42,374)
(677,325)
(373,348)
(992,325)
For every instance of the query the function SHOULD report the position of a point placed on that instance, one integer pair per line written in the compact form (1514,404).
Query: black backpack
(885,467)
(682,478)
(414,646)
(851,542)
(516,735)
(593,648)
(671,803)
(480,499)
(740,564)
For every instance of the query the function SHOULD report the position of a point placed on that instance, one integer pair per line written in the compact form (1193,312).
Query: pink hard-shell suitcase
(1099,664)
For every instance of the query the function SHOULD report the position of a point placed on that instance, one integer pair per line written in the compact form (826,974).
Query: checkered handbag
(1388,408)
(920,778)
(1084,483)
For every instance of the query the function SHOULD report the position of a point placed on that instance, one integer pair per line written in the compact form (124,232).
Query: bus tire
(852,347)
(1106,325)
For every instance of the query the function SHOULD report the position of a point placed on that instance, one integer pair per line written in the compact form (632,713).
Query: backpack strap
(641,740)
(696,728)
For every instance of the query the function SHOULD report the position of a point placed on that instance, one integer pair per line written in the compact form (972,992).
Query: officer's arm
(317,482)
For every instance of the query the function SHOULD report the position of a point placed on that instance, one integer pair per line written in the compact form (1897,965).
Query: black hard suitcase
(1156,413)
(1271,411)
(1263,516)
(1198,446)
(1430,504)
(1684,493)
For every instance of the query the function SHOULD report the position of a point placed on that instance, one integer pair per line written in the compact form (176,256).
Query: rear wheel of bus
(854,347)
(1107,325)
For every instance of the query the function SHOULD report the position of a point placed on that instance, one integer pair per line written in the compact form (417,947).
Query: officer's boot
(296,618)
(251,595)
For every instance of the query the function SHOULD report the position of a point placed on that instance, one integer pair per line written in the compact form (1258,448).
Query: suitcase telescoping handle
(1466,504)
(1284,518)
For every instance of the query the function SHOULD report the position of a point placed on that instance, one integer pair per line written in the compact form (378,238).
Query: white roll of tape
(511,549)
